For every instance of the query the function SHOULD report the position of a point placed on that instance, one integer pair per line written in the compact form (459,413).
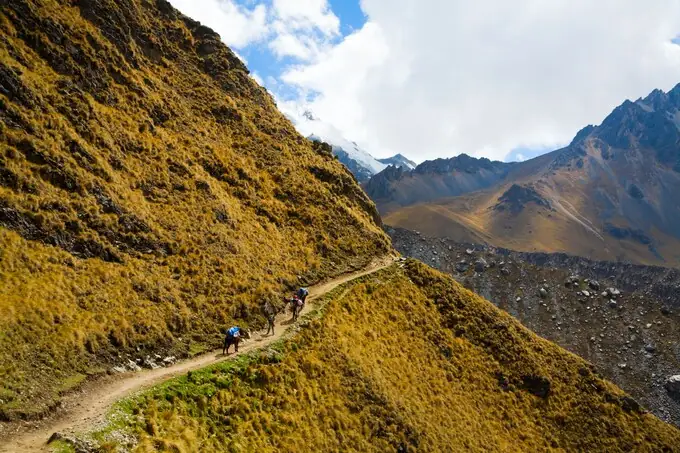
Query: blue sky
(269,67)
(436,78)
(349,12)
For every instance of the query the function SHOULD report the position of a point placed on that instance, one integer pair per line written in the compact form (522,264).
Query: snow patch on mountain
(399,160)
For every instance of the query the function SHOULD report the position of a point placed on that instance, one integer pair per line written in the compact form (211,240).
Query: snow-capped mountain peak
(360,162)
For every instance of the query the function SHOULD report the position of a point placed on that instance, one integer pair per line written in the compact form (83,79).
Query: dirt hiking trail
(86,409)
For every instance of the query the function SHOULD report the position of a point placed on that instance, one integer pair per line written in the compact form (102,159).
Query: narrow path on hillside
(85,410)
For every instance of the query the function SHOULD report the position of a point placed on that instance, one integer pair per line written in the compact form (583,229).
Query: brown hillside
(150,192)
(405,360)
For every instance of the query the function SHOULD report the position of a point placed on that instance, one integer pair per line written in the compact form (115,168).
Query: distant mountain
(399,161)
(394,188)
(612,194)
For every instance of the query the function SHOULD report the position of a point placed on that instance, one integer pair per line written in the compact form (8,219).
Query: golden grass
(150,192)
(403,360)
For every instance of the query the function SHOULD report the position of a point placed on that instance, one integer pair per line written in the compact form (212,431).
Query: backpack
(233,332)
(302,292)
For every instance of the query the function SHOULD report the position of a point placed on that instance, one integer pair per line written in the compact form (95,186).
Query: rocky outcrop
(517,197)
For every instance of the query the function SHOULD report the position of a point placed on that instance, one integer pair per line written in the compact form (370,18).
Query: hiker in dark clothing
(269,311)
(233,336)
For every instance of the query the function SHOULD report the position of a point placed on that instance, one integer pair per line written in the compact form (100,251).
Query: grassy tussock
(150,192)
(404,360)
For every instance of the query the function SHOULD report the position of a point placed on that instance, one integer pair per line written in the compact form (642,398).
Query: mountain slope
(447,371)
(150,193)
(611,194)
(629,333)
(360,162)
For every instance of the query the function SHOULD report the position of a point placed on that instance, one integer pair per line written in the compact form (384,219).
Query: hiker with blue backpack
(233,336)
(297,302)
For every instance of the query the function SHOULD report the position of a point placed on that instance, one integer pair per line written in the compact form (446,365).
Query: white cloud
(340,75)
(293,28)
(302,28)
(237,25)
(302,47)
(307,15)
(431,78)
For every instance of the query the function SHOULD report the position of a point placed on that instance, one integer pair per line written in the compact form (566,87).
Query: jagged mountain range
(610,194)
(400,161)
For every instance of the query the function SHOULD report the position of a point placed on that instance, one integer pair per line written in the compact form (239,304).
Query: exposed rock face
(516,197)
(673,386)
(361,172)
(632,321)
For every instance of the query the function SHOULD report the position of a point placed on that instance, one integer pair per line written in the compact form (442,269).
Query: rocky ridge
(399,160)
